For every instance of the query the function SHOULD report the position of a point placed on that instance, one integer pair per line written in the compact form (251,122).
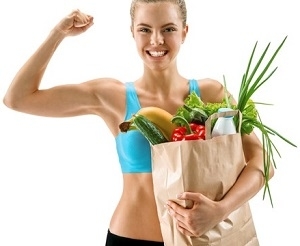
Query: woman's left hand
(201,217)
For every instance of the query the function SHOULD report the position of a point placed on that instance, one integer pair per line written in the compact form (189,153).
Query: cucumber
(150,131)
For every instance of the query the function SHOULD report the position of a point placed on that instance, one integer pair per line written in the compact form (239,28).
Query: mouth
(157,53)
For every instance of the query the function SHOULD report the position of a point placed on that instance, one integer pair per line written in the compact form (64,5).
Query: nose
(157,39)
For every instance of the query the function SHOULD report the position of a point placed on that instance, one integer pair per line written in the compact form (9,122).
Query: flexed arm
(24,95)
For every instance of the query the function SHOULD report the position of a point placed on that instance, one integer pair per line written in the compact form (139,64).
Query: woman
(159,29)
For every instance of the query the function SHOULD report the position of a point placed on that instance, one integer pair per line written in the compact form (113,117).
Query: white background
(60,179)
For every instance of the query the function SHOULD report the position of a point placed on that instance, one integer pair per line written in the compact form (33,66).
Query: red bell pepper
(188,131)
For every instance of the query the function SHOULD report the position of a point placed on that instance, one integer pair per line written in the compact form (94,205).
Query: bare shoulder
(110,97)
(211,90)
(106,86)
(109,92)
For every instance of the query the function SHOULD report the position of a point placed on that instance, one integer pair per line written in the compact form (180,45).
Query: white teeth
(157,53)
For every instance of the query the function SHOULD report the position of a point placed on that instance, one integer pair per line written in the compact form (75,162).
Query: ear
(186,29)
(184,32)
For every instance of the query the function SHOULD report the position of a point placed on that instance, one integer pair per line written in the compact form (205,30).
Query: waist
(136,214)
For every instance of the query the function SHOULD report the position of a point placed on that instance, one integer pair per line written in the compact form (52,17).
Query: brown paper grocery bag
(210,167)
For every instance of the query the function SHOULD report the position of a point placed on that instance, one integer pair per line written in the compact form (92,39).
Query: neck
(160,80)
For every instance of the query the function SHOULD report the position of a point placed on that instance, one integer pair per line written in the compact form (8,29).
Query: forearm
(29,77)
(249,183)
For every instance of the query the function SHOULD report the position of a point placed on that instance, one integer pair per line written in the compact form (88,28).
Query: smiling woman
(50,189)
(158,33)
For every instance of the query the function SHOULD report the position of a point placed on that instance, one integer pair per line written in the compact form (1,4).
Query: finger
(181,227)
(81,19)
(181,219)
(196,197)
(175,210)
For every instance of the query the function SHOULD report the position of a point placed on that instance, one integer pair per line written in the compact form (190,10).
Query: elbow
(271,171)
(9,102)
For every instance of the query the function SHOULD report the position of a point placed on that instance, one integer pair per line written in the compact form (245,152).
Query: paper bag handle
(208,122)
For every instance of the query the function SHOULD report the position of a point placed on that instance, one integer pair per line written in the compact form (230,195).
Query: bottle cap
(220,110)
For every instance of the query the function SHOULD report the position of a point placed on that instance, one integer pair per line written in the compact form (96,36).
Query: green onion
(251,82)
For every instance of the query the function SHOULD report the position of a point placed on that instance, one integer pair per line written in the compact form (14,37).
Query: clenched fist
(75,23)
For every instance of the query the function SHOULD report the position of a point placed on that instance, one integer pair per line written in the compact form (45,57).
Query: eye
(170,29)
(144,29)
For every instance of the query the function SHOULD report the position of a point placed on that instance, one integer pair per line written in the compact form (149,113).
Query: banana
(160,117)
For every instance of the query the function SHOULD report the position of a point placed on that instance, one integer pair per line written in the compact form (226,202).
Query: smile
(157,53)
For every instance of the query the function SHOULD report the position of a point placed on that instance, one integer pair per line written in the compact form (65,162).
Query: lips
(157,53)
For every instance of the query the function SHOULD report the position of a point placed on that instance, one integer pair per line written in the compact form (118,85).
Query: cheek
(173,38)
(173,41)
(140,41)
(139,44)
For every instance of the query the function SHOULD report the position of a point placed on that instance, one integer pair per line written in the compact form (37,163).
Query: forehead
(157,13)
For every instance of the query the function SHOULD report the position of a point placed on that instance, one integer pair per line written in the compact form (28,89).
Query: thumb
(195,197)
(80,19)
(75,23)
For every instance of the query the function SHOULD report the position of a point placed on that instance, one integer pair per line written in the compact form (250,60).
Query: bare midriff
(136,214)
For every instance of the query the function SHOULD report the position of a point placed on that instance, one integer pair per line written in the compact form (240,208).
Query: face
(159,32)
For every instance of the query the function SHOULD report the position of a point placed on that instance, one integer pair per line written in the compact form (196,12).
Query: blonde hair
(180,3)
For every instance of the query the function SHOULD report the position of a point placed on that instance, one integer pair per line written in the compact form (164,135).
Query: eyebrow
(168,24)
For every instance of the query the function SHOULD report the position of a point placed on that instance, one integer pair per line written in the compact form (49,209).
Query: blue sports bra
(132,147)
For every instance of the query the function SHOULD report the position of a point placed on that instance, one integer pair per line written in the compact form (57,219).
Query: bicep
(63,100)
(253,150)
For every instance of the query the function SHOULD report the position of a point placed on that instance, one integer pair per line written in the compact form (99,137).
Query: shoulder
(211,90)
(109,92)
(104,84)
(104,87)
(110,98)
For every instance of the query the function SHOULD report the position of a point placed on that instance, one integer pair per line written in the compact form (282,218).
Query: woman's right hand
(75,23)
